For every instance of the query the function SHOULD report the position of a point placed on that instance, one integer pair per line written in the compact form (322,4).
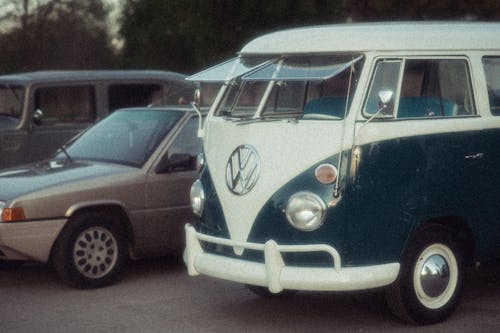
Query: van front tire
(429,285)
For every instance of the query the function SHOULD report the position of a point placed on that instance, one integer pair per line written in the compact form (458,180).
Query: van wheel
(430,281)
(91,251)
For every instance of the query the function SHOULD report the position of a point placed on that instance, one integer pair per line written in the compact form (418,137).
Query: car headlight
(200,162)
(197,196)
(305,211)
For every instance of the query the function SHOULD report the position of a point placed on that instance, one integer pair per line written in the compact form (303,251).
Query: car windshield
(11,98)
(319,87)
(126,137)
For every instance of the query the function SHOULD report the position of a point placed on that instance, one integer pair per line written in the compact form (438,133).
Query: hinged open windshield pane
(229,70)
(300,68)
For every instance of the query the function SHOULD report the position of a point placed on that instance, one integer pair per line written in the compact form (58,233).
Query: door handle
(474,156)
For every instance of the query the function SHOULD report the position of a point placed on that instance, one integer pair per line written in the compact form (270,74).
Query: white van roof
(393,36)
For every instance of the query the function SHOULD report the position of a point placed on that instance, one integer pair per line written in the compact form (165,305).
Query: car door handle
(474,156)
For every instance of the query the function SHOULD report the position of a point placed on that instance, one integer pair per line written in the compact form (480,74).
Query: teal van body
(351,157)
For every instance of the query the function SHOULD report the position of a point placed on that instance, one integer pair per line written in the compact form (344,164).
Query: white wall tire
(430,281)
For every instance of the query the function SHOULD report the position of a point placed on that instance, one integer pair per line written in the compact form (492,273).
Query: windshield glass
(310,87)
(11,98)
(230,69)
(125,137)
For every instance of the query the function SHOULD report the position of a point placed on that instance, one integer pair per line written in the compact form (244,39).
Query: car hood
(35,177)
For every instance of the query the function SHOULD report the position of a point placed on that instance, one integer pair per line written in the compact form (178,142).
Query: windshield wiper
(68,157)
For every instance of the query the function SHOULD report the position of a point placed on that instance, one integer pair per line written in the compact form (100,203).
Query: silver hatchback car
(119,190)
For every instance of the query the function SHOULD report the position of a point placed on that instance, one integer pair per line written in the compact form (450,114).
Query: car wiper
(68,157)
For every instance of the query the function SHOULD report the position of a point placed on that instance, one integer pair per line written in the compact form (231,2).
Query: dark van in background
(40,111)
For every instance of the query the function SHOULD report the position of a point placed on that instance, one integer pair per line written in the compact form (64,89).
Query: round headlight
(197,196)
(305,211)
(200,162)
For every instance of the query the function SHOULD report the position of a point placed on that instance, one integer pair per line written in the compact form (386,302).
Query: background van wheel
(430,281)
(91,251)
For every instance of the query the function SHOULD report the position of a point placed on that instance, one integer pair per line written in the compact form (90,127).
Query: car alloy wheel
(95,252)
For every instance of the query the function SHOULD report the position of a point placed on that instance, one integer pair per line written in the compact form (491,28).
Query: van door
(489,158)
(67,110)
(415,159)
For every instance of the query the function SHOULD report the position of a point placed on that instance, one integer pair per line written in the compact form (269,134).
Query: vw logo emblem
(242,170)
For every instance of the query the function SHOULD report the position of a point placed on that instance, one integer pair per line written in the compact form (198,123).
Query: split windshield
(307,87)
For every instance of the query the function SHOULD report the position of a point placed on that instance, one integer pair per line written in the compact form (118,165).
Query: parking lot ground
(156,295)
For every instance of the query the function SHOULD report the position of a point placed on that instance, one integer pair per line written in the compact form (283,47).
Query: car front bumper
(31,240)
(274,274)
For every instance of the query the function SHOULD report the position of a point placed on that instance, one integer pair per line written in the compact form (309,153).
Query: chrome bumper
(274,275)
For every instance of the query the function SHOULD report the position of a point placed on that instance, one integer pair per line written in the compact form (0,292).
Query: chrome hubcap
(95,252)
(435,275)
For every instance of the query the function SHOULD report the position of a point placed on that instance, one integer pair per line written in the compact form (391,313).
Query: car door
(167,191)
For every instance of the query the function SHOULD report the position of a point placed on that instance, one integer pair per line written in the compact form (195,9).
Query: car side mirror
(175,162)
(37,117)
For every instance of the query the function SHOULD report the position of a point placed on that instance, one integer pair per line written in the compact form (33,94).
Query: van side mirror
(384,101)
(37,117)
(175,162)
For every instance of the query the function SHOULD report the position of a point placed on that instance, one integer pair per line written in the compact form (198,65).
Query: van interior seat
(327,105)
(425,106)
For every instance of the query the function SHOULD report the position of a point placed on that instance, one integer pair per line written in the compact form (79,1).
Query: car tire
(90,251)
(430,281)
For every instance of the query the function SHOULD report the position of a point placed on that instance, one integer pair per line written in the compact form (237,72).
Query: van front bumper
(273,273)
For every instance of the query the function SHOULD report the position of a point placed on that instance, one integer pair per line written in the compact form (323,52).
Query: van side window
(127,95)
(435,88)
(429,88)
(385,78)
(66,104)
(492,72)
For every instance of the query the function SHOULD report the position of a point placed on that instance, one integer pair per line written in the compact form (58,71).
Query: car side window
(186,142)
(427,88)
(66,104)
(492,72)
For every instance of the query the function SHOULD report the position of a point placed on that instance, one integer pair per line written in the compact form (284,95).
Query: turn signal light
(12,214)
(326,173)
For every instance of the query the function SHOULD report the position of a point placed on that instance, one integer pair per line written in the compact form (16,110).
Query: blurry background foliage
(182,35)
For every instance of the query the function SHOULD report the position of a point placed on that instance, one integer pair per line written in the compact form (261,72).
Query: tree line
(182,35)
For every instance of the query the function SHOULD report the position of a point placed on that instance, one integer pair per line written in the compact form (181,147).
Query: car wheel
(430,281)
(91,251)
(265,293)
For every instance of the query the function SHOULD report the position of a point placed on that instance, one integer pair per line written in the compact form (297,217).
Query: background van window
(66,104)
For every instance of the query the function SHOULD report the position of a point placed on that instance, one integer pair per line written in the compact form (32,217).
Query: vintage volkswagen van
(350,157)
